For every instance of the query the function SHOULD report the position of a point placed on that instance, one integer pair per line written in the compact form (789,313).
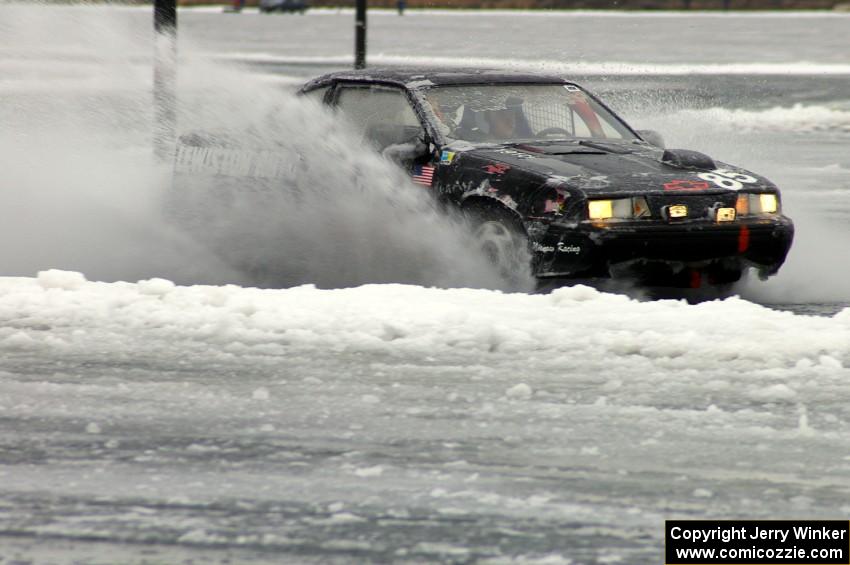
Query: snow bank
(797,118)
(61,312)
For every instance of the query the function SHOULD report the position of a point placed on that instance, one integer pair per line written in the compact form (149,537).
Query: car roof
(416,78)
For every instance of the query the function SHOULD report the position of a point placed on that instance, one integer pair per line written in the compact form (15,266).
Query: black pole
(165,16)
(164,76)
(360,35)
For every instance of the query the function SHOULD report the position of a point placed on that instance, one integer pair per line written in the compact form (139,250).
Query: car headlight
(600,209)
(620,208)
(769,203)
(755,204)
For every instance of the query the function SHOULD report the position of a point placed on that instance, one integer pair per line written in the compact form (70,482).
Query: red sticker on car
(686,185)
(497,169)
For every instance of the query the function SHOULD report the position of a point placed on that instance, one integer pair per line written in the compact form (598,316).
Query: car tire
(499,236)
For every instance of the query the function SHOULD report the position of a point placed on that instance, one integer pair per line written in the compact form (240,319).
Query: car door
(386,120)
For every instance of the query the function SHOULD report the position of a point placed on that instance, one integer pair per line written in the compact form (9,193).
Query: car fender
(474,199)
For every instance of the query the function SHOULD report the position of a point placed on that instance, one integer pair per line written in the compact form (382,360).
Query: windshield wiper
(558,149)
(610,146)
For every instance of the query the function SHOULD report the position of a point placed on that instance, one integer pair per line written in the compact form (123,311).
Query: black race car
(549,174)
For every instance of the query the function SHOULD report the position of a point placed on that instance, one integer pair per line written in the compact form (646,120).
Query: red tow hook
(696,278)
(743,239)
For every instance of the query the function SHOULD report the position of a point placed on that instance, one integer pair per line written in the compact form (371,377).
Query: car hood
(602,167)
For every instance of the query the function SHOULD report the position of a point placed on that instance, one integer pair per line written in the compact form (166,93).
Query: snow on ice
(60,311)
(374,349)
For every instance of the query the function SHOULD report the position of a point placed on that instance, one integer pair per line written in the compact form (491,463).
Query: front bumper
(600,249)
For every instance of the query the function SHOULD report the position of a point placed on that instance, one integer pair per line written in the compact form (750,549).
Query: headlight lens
(620,208)
(600,209)
(754,204)
(769,203)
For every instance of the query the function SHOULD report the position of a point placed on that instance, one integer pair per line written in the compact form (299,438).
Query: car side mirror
(685,159)
(652,137)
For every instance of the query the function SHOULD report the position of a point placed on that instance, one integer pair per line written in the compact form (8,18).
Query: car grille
(698,204)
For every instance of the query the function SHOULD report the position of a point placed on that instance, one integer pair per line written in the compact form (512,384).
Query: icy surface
(396,422)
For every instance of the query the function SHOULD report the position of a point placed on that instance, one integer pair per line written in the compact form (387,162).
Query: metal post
(360,35)
(165,16)
(164,77)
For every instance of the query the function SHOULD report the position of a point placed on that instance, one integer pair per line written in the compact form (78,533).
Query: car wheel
(502,241)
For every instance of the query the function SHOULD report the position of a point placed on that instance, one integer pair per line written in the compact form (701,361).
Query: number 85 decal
(724,178)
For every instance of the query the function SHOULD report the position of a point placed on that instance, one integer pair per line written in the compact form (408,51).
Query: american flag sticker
(423,174)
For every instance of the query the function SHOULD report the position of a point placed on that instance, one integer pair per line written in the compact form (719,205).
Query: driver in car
(508,122)
(502,123)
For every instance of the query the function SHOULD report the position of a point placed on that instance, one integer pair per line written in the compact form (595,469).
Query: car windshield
(522,112)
